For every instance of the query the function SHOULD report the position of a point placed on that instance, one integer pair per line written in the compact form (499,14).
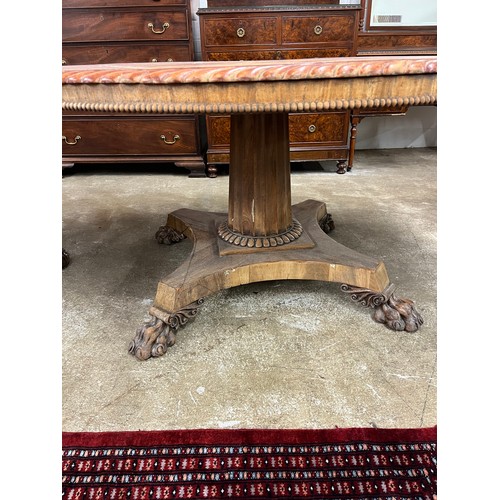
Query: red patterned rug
(329,464)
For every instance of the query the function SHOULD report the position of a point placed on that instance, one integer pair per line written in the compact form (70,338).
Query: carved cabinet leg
(396,314)
(153,338)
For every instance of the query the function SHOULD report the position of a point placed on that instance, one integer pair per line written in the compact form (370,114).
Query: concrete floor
(287,354)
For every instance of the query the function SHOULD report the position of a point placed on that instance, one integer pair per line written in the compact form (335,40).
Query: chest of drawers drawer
(119,52)
(129,31)
(320,128)
(237,31)
(226,30)
(305,128)
(277,54)
(92,25)
(121,3)
(128,136)
(326,28)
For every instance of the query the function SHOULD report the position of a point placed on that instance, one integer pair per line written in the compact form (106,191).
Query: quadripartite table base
(261,238)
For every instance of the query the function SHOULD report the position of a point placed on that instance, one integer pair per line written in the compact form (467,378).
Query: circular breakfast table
(262,236)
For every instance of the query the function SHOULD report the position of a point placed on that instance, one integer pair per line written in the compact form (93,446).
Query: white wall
(416,129)
(195,5)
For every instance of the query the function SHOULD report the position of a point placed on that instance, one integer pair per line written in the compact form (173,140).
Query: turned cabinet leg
(212,171)
(355,120)
(341,167)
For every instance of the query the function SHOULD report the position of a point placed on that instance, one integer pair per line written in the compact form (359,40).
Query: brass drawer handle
(240,32)
(77,138)
(154,59)
(152,28)
(318,30)
(175,139)
(64,62)
(312,128)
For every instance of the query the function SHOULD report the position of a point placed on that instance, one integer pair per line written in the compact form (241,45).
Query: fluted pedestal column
(260,201)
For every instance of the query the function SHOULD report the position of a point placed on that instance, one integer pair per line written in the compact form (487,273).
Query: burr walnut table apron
(262,236)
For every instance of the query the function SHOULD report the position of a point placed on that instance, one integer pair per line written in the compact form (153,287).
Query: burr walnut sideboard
(279,29)
(281,32)
(262,236)
(122,31)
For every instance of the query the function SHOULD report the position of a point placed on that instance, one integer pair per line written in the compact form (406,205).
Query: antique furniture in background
(277,29)
(245,30)
(385,32)
(262,236)
(112,31)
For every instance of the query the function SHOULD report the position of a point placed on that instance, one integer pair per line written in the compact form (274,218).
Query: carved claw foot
(153,338)
(326,223)
(65,259)
(147,341)
(167,235)
(396,314)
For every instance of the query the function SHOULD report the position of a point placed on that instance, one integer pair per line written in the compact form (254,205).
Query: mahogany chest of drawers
(109,31)
(282,32)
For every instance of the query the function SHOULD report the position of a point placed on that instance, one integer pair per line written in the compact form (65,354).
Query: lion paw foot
(399,315)
(167,235)
(326,223)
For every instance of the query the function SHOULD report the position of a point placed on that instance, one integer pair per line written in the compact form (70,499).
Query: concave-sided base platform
(211,268)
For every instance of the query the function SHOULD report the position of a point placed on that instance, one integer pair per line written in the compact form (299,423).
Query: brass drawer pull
(312,128)
(240,32)
(64,62)
(175,139)
(318,30)
(77,138)
(154,59)
(152,28)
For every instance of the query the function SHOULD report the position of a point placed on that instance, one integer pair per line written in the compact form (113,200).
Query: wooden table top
(238,71)
(251,86)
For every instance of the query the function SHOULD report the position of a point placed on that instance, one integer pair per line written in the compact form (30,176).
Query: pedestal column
(259,178)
